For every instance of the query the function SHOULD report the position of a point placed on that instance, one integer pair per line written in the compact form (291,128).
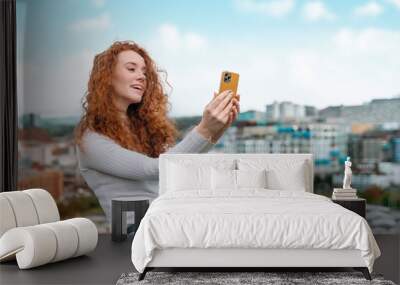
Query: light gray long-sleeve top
(113,171)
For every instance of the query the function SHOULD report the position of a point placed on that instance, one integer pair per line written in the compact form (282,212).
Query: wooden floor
(111,259)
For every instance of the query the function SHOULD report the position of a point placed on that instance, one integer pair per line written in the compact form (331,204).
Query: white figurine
(347,174)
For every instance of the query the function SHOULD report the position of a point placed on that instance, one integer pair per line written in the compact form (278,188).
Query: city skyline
(317,53)
(75,117)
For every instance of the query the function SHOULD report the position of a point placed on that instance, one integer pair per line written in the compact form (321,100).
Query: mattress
(250,219)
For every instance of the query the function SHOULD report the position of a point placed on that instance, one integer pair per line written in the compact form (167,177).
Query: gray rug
(230,278)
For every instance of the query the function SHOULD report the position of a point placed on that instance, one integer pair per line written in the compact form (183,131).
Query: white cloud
(169,36)
(101,22)
(194,41)
(395,2)
(316,10)
(274,8)
(345,68)
(98,3)
(175,40)
(371,9)
(367,41)
(348,67)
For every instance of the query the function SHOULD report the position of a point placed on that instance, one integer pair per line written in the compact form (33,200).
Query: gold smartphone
(229,81)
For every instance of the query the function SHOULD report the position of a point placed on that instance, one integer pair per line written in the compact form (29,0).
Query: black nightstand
(119,207)
(356,205)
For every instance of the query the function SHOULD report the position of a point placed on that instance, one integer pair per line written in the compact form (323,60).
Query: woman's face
(128,79)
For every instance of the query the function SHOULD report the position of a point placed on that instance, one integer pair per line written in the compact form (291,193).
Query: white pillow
(226,179)
(251,178)
(223,179)
(282,174)
(295,180)
(183,177)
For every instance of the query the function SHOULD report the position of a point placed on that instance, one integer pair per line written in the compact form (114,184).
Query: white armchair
(31,230)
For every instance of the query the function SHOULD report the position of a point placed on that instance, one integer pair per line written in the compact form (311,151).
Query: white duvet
(250,219)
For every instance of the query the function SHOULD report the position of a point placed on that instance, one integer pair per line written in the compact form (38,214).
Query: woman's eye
(131,69)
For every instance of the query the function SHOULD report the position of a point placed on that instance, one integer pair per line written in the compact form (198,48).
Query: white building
(378,111)
(285,111)
(327,142)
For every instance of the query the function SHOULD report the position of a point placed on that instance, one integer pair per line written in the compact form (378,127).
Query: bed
(247,210)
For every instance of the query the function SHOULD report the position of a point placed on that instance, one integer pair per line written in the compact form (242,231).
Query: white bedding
(252,218)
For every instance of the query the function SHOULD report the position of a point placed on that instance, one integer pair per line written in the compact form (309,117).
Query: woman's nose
(141,76)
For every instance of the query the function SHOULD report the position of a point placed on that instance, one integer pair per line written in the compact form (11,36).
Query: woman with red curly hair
(125,126)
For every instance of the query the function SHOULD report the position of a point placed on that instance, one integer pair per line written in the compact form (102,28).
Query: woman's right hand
(216,114)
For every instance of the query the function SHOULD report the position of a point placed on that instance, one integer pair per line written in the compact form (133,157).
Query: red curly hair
(149,130)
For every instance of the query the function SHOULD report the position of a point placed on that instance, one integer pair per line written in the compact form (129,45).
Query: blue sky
(310,52)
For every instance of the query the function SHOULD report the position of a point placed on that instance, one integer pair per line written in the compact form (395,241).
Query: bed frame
(242,259)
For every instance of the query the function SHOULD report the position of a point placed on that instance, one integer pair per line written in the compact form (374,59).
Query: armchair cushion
(26,208)
(31,232)
(40,244)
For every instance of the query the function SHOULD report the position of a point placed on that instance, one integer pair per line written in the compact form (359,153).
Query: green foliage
(61,130)
(387,196)
(79,206)
(183,123)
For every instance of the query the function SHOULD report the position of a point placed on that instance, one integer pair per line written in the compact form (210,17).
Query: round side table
(119,207)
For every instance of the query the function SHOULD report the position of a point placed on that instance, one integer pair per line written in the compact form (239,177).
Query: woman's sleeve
(104,155)
(193,142)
